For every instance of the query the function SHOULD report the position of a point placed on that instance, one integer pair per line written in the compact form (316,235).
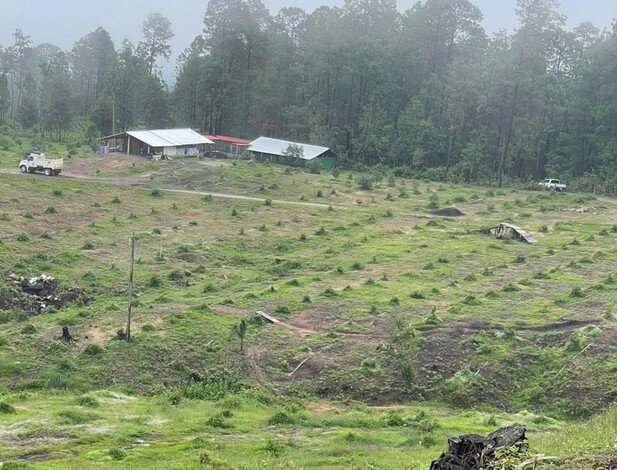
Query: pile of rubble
(40,292)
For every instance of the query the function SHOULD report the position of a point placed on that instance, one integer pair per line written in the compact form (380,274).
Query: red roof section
(229,140)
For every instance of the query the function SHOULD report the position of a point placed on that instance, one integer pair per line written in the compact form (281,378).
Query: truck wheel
(47,171)
(56,172)
(23,168)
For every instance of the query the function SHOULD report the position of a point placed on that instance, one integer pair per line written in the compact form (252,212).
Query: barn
(168,142)
(265,149)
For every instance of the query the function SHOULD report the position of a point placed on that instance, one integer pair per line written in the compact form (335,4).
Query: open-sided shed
(169,142)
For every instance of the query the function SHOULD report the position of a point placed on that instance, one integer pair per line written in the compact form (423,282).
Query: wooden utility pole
(128,321)
(113,114)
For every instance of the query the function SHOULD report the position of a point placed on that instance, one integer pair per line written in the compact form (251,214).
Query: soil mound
(448,212)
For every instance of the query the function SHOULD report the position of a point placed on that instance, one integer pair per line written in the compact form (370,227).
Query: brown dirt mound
(448,212)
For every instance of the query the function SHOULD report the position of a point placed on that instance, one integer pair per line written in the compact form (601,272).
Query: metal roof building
(268,146)
(228,145)
(170,142)
(170,137)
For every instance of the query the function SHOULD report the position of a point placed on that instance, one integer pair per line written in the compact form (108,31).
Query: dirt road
(139,182)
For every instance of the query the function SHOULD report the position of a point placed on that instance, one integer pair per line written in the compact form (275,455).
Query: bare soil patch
(228,310)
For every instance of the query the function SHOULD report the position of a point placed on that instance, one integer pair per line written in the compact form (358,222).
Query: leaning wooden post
(128,322)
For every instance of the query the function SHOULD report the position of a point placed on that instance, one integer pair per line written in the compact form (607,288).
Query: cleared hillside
(381,303)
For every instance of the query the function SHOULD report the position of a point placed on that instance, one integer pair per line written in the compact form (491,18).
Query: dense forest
(426,91)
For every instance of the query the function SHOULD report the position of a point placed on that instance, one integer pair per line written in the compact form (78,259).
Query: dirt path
(299,329)
(134,182)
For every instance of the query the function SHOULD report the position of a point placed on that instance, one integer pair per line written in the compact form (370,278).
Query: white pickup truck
(551,183)
(39,162)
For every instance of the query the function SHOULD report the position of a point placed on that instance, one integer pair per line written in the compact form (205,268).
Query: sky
(62,22)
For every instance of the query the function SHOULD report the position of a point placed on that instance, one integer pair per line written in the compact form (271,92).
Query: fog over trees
(425,91)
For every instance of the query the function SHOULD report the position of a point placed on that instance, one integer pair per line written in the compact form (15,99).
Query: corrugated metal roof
(170,137)
(227,139)
(278,147)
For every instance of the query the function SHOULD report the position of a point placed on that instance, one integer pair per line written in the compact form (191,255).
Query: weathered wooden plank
(269,318)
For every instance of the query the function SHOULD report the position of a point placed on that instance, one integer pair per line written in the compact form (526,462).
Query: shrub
(156,193)
(6,408)
(577,292)
(433,201)
(87,401)
(218,421)
(88,246)
(268,202)
(510,288)
(116,200)
(215,386)
(117,453)
(282,417)
(28,329)
(56,382)
(471,300)
(93,350)
(432,318)
(209,288)
(22,237)
(51,210)
(365,183)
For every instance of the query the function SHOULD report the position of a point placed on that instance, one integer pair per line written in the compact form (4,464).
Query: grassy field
(398,328)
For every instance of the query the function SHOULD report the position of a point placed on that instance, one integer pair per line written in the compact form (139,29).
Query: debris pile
(41,292)
(472,452)
(581,210)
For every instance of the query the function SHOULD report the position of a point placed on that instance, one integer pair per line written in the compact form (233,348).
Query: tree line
(425,91)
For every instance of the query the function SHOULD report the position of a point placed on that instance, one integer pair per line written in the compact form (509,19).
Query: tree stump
(66,336)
